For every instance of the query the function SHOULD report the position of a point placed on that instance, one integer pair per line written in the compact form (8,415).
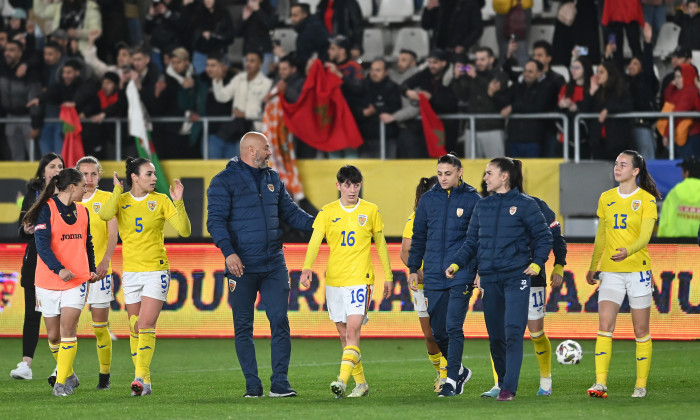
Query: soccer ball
(569,352)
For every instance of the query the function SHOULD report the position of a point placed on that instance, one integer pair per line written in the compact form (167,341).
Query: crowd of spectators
(82,53)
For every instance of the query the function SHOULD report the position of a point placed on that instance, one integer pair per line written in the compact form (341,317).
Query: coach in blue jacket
(510,241)
(439,229)
(247,201)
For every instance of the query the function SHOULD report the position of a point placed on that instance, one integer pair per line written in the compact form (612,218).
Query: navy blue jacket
(244,218)
(507,233)
(558,241)
(439,230)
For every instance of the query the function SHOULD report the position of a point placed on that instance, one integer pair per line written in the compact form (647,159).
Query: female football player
(65,265)
(439,229)
(627,215)
(141,214)
(419,303)
(510,242)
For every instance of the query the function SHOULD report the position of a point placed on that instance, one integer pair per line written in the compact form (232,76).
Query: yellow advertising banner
(198,301)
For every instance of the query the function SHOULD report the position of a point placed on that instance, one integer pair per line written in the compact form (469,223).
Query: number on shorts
(360,296)
(139,225)
(645,277)
(106,283)
(350,238)
(534,298)
(622,221)
(83,287)
(164,281)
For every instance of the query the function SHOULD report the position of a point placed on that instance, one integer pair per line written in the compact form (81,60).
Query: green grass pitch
(200,378)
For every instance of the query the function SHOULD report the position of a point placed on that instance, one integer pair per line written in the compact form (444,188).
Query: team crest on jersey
(96,207)
(271,187)
(231,285)
(636,204)
(362,219)
(512,210)
(152,205)
(460,212)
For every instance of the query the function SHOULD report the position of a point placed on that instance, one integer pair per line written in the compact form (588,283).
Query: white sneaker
(361,390)
(338,388)
(639,393)
(23,371)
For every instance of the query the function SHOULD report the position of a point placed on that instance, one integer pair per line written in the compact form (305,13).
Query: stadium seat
(372,44)
(287,38)
(488,39)
(562,70)
(487,12)
(540,32)
(668,40)
(366,6)
(283,9)
(537,9)
(696,59)
(393,11)
(235,52)
(415,39)
(312,4)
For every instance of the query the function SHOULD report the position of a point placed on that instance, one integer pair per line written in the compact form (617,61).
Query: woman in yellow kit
(627,215)
(349,225)
(104,240)
(420,303)
(141,214)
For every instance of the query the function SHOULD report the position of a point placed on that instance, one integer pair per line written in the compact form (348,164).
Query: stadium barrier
(198,302)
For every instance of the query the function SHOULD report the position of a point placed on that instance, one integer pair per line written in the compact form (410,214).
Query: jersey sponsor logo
(126,207)
(231,285)
(636,204)
(40,226)
(512,210)
(611,203)
(335,220)
(271,187)
(460,212)
(67,236)
(152,205)
(362,219)
(554,224)
(96,207)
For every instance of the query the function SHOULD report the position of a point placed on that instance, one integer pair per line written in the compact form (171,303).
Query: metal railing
(671,116)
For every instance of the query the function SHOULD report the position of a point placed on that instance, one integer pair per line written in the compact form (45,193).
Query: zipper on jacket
(498,216)
(444,226)
(262,205)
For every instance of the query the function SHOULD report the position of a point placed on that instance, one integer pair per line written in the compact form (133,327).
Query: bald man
(247,202)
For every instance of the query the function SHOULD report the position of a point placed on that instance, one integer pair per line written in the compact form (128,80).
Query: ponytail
(60,182)
(514,167)
(133,166)
(644,179)
(424,185)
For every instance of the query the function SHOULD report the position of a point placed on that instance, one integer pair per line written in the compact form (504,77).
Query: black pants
(32,321)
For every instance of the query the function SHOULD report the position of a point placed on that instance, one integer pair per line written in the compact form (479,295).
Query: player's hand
(477,282)
(234,265)
(530,272)
(305,279)
(589,277)
(102,268)
(388,288)
(555,280)
(176,192)
(28,229)
(117,182)
(420,276)
(66,275)
(450,273)
(620,256)
(94,277)
(413,281)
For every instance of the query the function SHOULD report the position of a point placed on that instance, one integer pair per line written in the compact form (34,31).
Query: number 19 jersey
(98,227)
(623,223)
(349,233)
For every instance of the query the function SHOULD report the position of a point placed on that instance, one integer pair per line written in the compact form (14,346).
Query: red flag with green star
(433,129)
(72,149)
(321,117)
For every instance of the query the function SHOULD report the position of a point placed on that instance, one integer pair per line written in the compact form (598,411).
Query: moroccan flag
(433,129)
(73,142)
(321,117)
(142,135)
(283,157)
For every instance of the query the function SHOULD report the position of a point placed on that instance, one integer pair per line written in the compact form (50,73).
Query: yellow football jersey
(408,228)
(623,220)
(141,224)
(349,234)
(98,227)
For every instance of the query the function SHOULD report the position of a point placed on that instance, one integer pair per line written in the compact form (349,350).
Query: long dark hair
(424,185)
(38,182)
(613,87)
(60,182)
(587,74)
(514,167)
(133,166)
(644,179)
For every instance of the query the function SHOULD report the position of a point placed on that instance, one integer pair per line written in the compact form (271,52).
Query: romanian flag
(139,129)
(433,129)
(72,149)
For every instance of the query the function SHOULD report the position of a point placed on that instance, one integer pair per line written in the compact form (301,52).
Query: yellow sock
(543,351)
(133,337)
(435,360)
(643,360)
(493,369)
(66,356)
(603,353)
(147,344)
(351,356)
(359,373)
(54,350)
(104,345)
(443,367)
